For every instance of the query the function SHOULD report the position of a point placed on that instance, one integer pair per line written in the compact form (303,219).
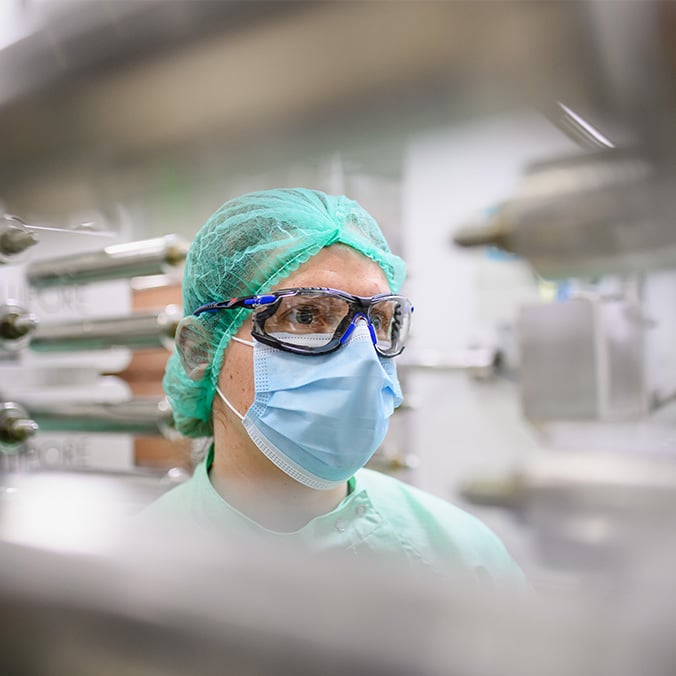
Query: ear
(193,347)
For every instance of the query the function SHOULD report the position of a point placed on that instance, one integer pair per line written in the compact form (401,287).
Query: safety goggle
(317,320)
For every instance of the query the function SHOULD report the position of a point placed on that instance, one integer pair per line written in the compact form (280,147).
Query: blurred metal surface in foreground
(258,84)
(87,586)
(179,602)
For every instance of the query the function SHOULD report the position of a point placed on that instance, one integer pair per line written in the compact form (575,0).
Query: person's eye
(381,319)
(303,315)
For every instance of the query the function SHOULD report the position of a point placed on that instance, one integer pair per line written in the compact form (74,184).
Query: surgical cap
(246,247)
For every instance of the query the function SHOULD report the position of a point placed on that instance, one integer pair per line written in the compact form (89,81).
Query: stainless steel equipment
(14,239)
(17,325)
(604,212)
(416,76)
(145,416)
(582,359)
(604,492)
(16,427)
(146,257)
(138,331)
(480,363)
(595,513)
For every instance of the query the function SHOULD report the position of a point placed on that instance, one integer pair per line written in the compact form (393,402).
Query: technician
(286,360)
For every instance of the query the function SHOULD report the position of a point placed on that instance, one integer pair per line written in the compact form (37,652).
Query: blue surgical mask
(321,418)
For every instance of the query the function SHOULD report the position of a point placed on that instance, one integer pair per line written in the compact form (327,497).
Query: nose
(353,324)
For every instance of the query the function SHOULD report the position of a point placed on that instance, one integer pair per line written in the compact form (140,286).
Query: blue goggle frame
(265,305)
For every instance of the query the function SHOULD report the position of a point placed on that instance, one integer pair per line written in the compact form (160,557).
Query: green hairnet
(246,247)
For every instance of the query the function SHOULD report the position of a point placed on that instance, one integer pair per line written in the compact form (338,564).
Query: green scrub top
(380,516)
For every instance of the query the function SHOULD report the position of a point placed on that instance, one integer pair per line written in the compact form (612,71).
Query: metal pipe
(142,416)
(480,363)
(606,212)
(138,331)
(145,257)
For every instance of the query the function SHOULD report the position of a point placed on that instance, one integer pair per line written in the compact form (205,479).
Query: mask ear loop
(228,404)
(250,343)
(218,389)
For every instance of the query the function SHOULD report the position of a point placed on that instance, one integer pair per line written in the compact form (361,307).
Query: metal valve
(14,239)
(15,427)
(16,325)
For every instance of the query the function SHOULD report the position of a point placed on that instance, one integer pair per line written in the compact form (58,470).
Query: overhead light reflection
(585,127)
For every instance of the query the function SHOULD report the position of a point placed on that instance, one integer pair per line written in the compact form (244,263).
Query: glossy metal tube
(609,212)
(145,257)
(143,416)
(480,363)
(139,331)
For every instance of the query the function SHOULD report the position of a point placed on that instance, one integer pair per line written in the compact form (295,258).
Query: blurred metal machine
(603,212)
(126,72)
(600,226)
(608,209)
